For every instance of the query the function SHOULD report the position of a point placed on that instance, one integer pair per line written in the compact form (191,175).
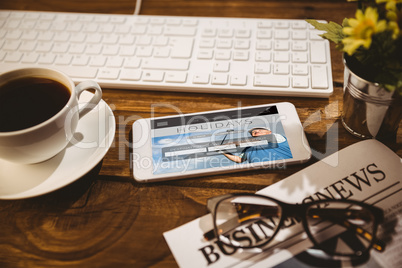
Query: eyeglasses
(251,220)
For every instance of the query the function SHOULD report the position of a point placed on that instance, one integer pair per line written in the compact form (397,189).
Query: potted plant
(372,47)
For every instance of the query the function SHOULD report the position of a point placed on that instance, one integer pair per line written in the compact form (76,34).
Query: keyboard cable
(137,7)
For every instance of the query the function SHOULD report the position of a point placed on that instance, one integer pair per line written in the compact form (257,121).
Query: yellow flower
(361,29)
(390,4)
(394,27)
(392,15)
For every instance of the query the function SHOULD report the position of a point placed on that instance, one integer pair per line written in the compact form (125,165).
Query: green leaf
(333,30)
(345,22)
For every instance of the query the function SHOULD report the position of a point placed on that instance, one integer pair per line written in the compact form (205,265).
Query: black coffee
(26,102)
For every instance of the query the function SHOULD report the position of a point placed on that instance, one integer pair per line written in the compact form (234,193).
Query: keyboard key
(299,35)
(157,21)
(243,33)
(109,74)
(63,59)
(319,79)
(74,48)
(281,45)
(14,34)
(48,36)
(315,35)
(127,40)
(132,63)
(282,34)
(299,46)
(219,79)
(264,34)
(262,68)
(190,22)
(31,35)
(80,60)
(130,75)
(161,52)
(264,45)
(281,24)
(300,69)
(271,81)
(160,41)
(107,39)
(45,46)
(224,43)
(47,58)
(153,76)
(209,32)
(223,55)
(11,45)
(317,52)
(205,54)
(13,56)
(241,55)
(30,58)
(238,80)
(95,49)
(60,37)
(173,21)
(280,56)
(59,47)
(114,62)
(226,33)
(221,66)
(299,57)
(142,52)
(43,25)
(300,82)
(299,25)
(155,30)
(97,61)
(242,44)
(144,40)
(201,79)
(281,68)
(264,24)
(207,43)
(176,77)
(94,38)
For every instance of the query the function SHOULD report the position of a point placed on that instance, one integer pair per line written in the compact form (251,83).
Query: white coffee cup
(46,139)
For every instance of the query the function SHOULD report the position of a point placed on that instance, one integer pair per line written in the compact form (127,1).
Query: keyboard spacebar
(165,64)
(79,72)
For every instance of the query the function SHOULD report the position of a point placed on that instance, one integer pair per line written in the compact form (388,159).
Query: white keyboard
(193,54)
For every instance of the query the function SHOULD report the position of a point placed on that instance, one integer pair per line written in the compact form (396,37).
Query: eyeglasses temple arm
(335,216)
(378,245)
(228,225)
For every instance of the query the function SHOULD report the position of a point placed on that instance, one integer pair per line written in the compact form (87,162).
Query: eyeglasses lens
(341,228)
(247,221)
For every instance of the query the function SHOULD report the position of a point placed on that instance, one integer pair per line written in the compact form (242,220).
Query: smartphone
(189,145)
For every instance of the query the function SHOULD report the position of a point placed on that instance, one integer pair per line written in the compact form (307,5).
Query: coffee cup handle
(87,85)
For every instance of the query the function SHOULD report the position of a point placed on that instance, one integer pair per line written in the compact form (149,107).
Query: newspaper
(367,171)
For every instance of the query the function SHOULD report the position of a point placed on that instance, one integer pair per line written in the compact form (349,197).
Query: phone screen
(218,139)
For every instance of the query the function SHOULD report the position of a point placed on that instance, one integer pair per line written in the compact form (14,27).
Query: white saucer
(92,140)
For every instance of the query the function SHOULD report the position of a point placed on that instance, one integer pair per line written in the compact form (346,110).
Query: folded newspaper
(366,171)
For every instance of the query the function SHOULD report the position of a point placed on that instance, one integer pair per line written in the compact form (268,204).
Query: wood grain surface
(106,219)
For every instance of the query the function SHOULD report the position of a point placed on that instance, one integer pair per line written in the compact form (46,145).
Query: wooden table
(106,218)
